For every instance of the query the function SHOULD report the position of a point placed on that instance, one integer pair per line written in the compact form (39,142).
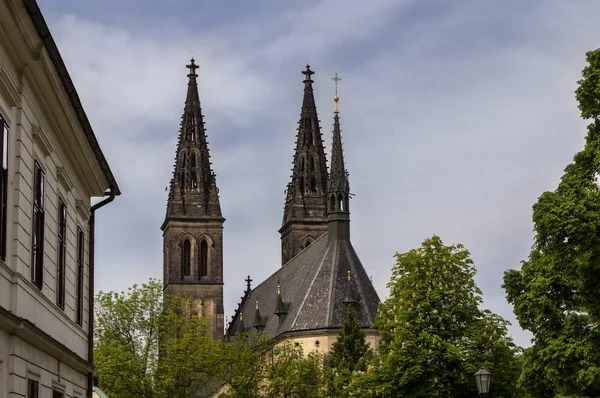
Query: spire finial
(307,74)
(192,67)
(336,99)
(248,281)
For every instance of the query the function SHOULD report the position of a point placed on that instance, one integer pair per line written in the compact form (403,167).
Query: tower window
(340,203)
(62,254)
(313,184)
(203,258)
(187,258)
(194,181)
(193,160)
(37,252)
(3,184)
(332,203)
(80,265)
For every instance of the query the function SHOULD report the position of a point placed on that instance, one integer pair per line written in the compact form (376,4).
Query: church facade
(305,300)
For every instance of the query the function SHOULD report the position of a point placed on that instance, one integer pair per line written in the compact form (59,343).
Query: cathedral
(304,301)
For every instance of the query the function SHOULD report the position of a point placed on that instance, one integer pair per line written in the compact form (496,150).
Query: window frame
(80,276)
(4,136)
(38,226)
(61,265)
(31,383)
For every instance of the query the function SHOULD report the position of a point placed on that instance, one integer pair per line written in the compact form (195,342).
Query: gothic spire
(193,191)
(305,202)
(338,186)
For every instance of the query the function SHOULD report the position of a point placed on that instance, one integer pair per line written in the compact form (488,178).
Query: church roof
(313,288)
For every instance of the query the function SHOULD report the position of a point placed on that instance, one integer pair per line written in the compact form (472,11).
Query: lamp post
(483,379)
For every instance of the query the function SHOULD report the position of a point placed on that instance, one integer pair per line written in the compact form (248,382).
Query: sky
(456,116)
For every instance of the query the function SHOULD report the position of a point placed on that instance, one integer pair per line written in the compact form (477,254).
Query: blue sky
(456,116)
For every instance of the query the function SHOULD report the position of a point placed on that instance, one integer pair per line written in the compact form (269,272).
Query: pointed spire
(193,191)
(306,193)
(338,186)
(350,298)
(259,322)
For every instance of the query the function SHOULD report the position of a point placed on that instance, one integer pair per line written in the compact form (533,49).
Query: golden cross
(336,79)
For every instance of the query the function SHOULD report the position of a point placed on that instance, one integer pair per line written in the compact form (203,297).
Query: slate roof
(313,286)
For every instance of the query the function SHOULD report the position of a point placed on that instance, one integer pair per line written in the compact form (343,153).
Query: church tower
(305,211)
(193,226)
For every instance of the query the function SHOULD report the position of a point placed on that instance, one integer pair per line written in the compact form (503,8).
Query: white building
(50,168)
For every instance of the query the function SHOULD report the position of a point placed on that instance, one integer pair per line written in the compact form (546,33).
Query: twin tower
(193,226)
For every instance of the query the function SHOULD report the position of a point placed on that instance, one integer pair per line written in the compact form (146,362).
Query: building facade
(193,226)
(305,301)
(51,167)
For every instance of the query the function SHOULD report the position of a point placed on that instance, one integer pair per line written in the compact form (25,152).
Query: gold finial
(336,99)
(278,289)
(241,316)
(256,303)
(348,275)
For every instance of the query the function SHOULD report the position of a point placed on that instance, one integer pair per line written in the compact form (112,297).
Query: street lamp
(483,379)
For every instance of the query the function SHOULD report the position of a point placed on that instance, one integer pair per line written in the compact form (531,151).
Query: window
(80,264)
(57,394)
(187,258)
(3,184)
(33,389)
(203,258)
(62,254)
(37,252)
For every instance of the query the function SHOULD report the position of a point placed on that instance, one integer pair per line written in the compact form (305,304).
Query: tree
(349,353)
(434,337)
(255,367)
(146,349)
(555,294)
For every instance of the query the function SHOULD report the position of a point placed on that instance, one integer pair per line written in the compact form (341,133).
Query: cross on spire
(192,67)
(248,281)
(336,79)
(308,73)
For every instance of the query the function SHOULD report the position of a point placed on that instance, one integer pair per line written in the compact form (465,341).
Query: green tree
(253,366)
(555,294)
(146,349)
(434,337)
(349,353)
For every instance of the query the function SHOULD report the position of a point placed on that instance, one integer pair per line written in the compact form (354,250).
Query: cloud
(455,119)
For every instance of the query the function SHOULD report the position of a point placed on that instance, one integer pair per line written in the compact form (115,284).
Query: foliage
(434,337)
(255,367)
(143,349)
(349,353)
(555,294)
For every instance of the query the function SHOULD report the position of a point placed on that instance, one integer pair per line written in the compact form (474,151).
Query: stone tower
(305,212)
(193,226)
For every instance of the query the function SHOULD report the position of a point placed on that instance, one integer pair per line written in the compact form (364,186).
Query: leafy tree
(555,294)
(434,337)
(349,353)
(145,349)
(255,367)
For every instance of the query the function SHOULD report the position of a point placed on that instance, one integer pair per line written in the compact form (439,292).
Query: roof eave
(50,45)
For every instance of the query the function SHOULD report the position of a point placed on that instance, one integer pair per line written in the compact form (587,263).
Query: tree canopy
(555,294)
(349,353)
(434,337)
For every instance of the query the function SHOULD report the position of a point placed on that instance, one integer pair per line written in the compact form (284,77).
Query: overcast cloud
(456,116)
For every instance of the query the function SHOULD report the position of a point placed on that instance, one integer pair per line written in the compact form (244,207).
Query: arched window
(193,160)
(192,127)
(313,184)
(194,182)
(302,184)
(341,203)
(302,163)
(332,203)
(187,258)
(308,242)
(203,258)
